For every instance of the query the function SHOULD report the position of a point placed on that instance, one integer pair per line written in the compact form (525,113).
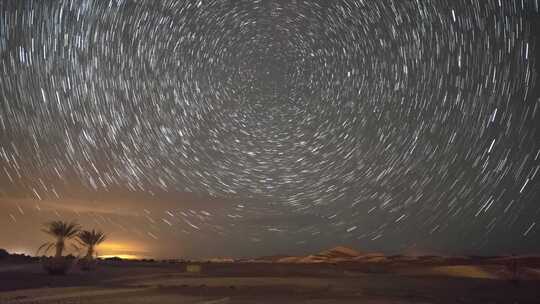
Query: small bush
(3,253)
(57,265)
(114,259)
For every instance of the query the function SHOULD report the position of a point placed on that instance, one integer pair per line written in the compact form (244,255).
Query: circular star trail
(367,120)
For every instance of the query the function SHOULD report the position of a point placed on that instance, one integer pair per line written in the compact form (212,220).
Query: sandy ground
(165,284)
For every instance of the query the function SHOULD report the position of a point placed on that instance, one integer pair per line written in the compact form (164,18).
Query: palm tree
(61,231)
(90,239)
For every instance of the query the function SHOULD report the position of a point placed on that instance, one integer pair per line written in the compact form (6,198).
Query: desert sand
(335,276)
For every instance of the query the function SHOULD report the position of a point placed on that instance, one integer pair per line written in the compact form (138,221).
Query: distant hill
(339,253)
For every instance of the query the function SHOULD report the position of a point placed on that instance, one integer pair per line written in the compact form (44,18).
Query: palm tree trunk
(90,253)
(59,249)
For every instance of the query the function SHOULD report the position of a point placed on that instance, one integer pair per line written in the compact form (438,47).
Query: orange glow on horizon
(122,256)
(123,250)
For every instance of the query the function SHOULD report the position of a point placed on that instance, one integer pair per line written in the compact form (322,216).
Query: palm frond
(91,237)
(48,247)
(61,229)
(75,247)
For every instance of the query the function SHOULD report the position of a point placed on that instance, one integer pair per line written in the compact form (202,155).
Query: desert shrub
(58,265)
(3,253)
(70,257)
(114,259)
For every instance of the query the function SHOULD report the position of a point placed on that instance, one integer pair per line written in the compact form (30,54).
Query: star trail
(383,124)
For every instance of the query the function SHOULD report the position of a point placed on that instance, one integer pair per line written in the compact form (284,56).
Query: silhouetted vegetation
(61,232)
(3,254)
(89,239)
(114,259)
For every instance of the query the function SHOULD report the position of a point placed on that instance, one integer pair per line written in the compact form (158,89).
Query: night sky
(240,128)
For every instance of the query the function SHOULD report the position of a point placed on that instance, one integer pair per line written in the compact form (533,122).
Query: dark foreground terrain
(163,283)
